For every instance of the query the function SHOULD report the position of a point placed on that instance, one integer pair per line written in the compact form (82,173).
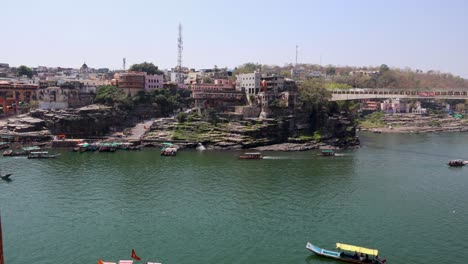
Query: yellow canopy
(363,250)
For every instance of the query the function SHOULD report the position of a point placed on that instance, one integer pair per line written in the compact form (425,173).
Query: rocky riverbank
(412,123)
(97,121)
(286,134)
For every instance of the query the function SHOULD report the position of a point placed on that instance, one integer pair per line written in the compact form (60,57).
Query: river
(395,193)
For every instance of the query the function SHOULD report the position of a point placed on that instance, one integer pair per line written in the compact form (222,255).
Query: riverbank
(103,123)
(413,123)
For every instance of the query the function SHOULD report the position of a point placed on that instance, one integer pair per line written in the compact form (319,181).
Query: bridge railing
(411,92)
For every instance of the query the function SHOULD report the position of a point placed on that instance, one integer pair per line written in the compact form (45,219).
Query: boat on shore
(457,163)
(22,152)
(251,155)
(327,152)
(168,149)
(42,155)
(348,257)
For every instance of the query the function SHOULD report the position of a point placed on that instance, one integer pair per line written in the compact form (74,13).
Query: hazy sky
(421,34)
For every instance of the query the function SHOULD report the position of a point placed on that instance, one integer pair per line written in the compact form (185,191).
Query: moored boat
(168,149)
(457,163)
(251,155)
(348,257)
(42,155)
(327,152)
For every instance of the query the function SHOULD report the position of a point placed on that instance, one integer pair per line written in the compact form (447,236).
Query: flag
(134,255)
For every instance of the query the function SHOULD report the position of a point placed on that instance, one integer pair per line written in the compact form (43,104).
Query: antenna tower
(297,50)
(179,54)
(124,62)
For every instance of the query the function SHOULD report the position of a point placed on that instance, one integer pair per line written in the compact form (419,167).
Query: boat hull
(336,255)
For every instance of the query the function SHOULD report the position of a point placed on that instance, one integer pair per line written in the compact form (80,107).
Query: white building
(250,82)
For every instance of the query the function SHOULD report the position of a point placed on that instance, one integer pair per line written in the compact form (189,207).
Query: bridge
(376,93)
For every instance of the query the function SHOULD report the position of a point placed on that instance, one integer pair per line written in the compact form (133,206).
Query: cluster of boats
(105,146)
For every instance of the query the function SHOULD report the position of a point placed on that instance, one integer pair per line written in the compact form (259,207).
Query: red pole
(1,243)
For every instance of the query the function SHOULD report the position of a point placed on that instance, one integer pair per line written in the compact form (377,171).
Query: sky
(419,34)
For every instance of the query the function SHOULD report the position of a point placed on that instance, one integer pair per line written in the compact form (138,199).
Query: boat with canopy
(357,254)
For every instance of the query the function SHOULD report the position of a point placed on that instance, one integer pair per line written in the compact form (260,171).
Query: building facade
(250,83)
(131,82)
(153,81)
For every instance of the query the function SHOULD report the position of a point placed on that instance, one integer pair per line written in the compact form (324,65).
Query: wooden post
(1,243)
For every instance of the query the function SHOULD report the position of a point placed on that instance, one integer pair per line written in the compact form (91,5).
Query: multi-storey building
(250,83)
(153,81)
(12,95)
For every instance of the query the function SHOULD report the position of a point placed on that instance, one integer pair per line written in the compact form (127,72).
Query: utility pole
(179,55)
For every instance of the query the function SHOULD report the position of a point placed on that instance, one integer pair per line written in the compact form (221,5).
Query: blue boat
(348,257)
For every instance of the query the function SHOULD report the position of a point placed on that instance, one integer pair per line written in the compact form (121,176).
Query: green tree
(147,67)
(315,98)
(384,68)
(207,80)
(110,95)
(313,94)
(247,68)
(330,70)
(24,70)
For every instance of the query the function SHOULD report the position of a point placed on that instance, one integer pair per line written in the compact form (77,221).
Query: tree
(147,67)
(23,70)
(331,70)
(313,94)
(110,94)
(460,108)
(247,68)
(207,80)
(384,68)
(315,98)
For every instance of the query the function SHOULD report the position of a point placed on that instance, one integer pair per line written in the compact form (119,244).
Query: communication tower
(179,55)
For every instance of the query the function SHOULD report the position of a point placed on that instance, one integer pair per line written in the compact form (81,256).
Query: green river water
(395,193)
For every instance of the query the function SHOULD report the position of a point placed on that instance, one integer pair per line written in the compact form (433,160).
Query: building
(392,106)
(364,73)
(131,82)
(250,83)
(368,105)
(220,94)
(14,95)
(53,98)
(153,81)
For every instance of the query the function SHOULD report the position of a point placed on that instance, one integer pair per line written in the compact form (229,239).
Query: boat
(168,149)
(457,163)
(11,153)
(107,147)
(5,177)
(42,155)
(351,257)
(327,152)
(22,152)
(251,155)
